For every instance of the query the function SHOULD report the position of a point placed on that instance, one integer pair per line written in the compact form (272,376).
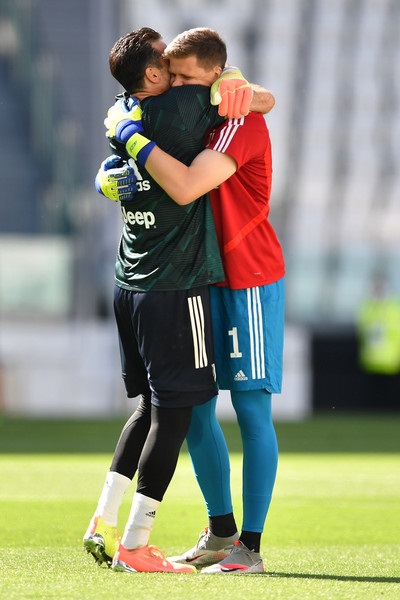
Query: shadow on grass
(359,579)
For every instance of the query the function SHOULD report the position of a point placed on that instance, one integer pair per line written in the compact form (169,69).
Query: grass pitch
(333,530)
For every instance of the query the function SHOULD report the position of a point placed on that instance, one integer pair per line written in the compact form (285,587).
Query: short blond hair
(202,42)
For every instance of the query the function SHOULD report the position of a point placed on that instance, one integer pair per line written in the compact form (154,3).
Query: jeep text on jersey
(145,218)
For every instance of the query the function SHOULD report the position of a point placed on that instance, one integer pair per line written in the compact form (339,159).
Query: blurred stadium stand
(333,67)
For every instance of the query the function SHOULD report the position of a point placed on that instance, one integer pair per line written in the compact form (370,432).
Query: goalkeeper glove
(233,93)
(115,181)
(124,124)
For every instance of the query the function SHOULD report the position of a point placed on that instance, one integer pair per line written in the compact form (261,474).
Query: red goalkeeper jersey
(250,249)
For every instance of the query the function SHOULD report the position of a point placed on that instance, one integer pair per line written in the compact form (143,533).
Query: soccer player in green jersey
(168,256)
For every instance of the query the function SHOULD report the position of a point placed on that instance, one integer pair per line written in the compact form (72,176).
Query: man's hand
(233,93)
(124,124)
(116,180)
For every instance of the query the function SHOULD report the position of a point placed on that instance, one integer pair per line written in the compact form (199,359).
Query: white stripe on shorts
(197,321)
(256,330)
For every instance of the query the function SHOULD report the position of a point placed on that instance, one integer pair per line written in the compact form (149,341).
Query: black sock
(251,539)
(223,525)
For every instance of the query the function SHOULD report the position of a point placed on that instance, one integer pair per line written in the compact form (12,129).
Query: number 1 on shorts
(235,341)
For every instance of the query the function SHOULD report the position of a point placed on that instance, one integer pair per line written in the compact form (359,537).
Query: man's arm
(182,183)
(185,184)
(263,101)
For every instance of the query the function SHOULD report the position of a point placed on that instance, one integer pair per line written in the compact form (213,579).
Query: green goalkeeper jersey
(165,246)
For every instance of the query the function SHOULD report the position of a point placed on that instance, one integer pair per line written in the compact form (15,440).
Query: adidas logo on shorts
(240,376)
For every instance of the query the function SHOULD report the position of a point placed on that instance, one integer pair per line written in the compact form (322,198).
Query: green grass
(326,432)
(333,531)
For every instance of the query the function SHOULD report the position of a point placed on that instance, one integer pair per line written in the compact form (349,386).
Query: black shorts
(166,344)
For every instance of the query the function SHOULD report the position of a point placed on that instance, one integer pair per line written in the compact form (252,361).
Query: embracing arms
(234,95)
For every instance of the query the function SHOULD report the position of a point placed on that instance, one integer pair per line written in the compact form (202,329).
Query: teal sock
(210,459)
(260,455)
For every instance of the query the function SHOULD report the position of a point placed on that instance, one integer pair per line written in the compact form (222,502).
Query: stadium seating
(333,68)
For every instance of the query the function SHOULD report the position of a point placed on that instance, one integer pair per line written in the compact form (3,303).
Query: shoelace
(156,552)
(203,536)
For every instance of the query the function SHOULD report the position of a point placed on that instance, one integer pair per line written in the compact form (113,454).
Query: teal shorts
(248,330)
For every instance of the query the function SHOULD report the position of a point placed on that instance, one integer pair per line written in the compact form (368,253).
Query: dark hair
(131,55)
(202,42)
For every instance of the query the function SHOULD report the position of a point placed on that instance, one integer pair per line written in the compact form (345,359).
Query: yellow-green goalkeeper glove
(116,180)
(124,123)
(233,93)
